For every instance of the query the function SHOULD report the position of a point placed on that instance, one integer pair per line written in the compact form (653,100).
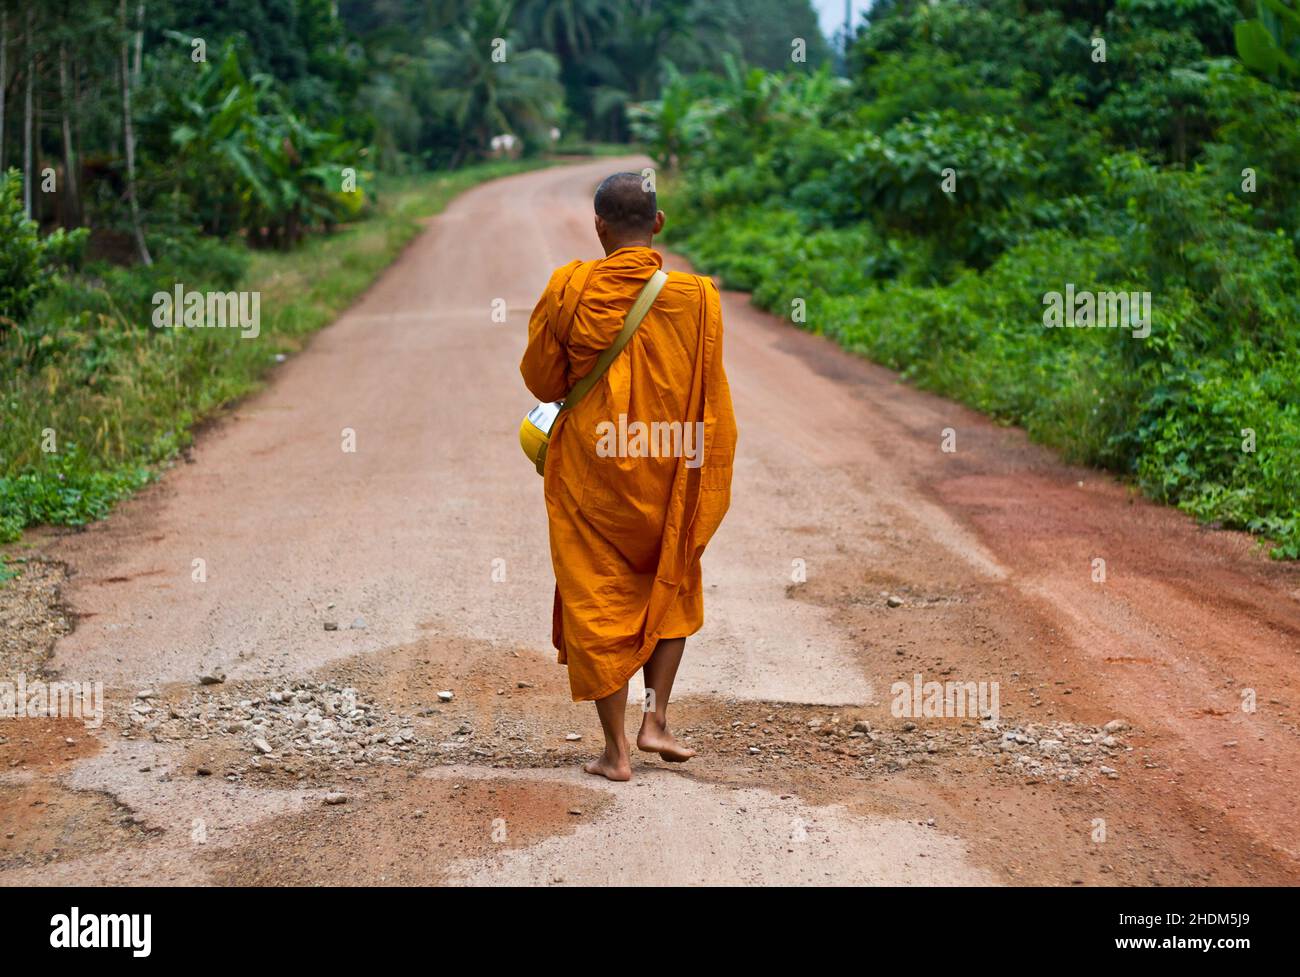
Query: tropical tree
(489,84)
(578,32)
(675,123)
(1269,43)
(569,28)
(274,174)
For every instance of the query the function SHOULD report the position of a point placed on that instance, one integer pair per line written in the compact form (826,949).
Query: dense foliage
(983,155)
(582,64)
(144,119)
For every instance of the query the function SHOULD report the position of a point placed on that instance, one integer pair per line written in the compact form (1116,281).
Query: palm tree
(693,35)
(488,88)
(568,28)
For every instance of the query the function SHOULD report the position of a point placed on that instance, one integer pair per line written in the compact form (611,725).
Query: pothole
(291,725)
(857,746)
(306,729)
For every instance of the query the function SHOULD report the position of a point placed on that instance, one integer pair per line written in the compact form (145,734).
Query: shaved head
(624,204)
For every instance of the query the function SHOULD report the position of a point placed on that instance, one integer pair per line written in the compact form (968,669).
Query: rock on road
(857,554)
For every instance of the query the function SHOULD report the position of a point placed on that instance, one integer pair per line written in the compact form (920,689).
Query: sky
(830,13)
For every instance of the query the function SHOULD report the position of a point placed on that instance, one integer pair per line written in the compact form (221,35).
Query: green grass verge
(603,149)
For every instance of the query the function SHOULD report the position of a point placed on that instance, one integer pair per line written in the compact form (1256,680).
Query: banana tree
(302,178)
(1269,43)
(676,122)
(249,162)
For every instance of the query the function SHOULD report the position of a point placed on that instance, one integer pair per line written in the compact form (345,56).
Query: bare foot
(615,768)
(656,739)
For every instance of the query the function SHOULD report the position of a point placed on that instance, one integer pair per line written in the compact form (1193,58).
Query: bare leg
(613,763)
(660,671)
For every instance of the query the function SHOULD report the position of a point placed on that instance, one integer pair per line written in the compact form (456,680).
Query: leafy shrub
(69,491)
(28,263)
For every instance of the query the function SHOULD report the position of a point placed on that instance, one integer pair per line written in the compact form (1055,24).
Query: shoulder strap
(634,316)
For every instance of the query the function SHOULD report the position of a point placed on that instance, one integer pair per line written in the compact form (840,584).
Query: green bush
(69,491)
(27,262)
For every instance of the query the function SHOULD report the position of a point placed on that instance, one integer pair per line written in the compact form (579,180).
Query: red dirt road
(857,554)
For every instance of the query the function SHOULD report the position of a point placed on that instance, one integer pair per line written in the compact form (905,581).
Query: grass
(598,149)
(116,399)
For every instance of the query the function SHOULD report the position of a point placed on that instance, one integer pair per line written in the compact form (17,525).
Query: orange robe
(627,532)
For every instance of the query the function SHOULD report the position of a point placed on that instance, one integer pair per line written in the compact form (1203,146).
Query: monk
(637,474)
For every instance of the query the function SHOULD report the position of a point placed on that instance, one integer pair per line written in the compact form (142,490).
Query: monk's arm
(545,366)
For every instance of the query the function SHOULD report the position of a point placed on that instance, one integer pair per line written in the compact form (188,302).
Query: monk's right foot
(611,768)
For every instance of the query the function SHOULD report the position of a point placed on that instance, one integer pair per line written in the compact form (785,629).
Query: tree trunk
(292,227)
(40,200)
(139,40)
(78,99)
(27,120)
(128,141)
(4,79)
(71,175)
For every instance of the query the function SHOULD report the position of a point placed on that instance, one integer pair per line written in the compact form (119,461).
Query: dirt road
(340,591)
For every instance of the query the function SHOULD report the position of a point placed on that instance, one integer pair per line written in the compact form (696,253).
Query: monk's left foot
(656,739)
(610,767)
